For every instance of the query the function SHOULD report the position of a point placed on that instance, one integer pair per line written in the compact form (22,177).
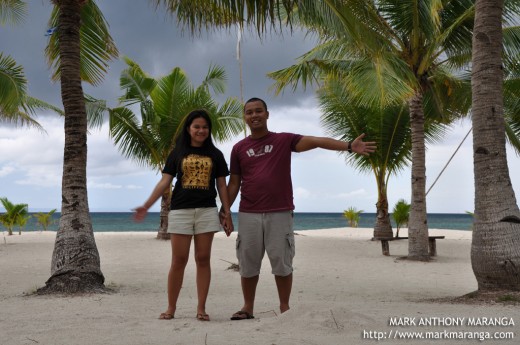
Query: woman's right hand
(140,213)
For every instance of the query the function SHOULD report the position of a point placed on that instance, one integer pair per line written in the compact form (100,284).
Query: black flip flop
(241,315)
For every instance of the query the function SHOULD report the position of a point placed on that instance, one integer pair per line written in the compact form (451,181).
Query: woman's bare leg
(180,254)
(203,244)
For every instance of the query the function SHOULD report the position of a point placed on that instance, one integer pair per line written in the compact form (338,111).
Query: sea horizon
(122,221)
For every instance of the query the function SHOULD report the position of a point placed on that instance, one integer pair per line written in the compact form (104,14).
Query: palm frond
(96,109)
(12,11)
(513,135)
(228,121)
(97,46)
(134,140)
(215,79)
(200,14)
(137,84)
(511,54)
(344,119)
(13,85)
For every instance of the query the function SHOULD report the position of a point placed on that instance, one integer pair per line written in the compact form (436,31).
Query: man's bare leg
(284,285)
(249,292)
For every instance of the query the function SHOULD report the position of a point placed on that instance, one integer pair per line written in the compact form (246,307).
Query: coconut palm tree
(386,52)
(81,39)
(15,215)
(164,102)
(495,247)
(388,126)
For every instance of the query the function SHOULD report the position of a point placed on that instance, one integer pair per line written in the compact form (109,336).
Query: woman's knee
(202,259)
(179,261)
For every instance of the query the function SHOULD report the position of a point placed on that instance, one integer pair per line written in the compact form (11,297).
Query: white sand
(343,288)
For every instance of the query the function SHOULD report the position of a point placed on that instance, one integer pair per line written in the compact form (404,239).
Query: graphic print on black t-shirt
(196,171)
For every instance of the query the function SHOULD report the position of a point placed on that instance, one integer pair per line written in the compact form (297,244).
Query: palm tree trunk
(75,261)
(495,249)
(383,226)
(163,234)
(417,224)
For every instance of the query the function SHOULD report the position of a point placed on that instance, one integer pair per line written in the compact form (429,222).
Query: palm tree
(401,214)
(15,215)
(81,39)
(495,247)
(388,126)
(387,52)
(45,219)
(164,103)
(352,216)
(23,219)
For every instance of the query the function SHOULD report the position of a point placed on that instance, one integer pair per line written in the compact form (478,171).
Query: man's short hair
(255,99)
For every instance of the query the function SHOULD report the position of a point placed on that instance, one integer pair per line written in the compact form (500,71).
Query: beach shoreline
(345,292)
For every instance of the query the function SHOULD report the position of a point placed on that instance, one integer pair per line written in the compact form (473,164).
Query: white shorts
(193,221)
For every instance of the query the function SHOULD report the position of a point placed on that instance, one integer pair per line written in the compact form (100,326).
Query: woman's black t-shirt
(196,174)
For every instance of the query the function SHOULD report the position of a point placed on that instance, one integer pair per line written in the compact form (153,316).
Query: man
(261,170)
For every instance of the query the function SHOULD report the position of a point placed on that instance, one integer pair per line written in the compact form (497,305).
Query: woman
(198,167)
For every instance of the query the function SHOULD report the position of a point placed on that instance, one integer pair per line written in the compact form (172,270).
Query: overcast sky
(31,161)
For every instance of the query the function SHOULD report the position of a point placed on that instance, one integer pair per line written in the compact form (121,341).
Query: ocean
(122,221)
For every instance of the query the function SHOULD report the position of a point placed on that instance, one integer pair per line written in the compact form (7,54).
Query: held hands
(226,222)
(363,147)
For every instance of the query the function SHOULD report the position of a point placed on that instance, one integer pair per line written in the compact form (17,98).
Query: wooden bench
(386,248)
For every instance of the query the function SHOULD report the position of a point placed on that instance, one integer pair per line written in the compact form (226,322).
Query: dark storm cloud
(152,38)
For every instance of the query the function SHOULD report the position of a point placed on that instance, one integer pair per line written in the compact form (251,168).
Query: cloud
(131,186)
(107,185)
(6,170)
(302,193)
(346,196)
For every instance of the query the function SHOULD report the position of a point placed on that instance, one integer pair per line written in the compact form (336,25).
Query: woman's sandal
(202,317)
(166,316)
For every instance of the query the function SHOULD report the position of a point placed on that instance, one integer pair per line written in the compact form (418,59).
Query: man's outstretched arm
(358,146)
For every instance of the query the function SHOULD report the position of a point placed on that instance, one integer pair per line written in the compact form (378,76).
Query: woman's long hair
(183,141)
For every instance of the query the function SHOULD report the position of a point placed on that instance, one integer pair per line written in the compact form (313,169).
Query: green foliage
(352,216)
(15,215)
(12,11)
(97,45)
(45,219)
(164,102)
(401,214)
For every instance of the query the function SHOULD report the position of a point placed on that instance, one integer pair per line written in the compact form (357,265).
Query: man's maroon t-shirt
(265,168)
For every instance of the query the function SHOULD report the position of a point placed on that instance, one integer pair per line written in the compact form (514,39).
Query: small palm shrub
(352,216)
(401,214)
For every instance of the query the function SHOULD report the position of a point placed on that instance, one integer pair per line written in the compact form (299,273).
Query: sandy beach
(345,292)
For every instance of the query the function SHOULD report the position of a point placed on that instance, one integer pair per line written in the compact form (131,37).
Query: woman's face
(199,131)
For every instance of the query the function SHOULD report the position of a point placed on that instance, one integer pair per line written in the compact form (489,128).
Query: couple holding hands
(260,168)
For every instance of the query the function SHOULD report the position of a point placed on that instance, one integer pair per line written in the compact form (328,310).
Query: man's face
(255,115)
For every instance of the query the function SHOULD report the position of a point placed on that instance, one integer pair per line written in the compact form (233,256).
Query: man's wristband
(349,147)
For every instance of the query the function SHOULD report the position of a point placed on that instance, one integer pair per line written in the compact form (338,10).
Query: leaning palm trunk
(417,225)
(495,249)
(163,234)
(75,261)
